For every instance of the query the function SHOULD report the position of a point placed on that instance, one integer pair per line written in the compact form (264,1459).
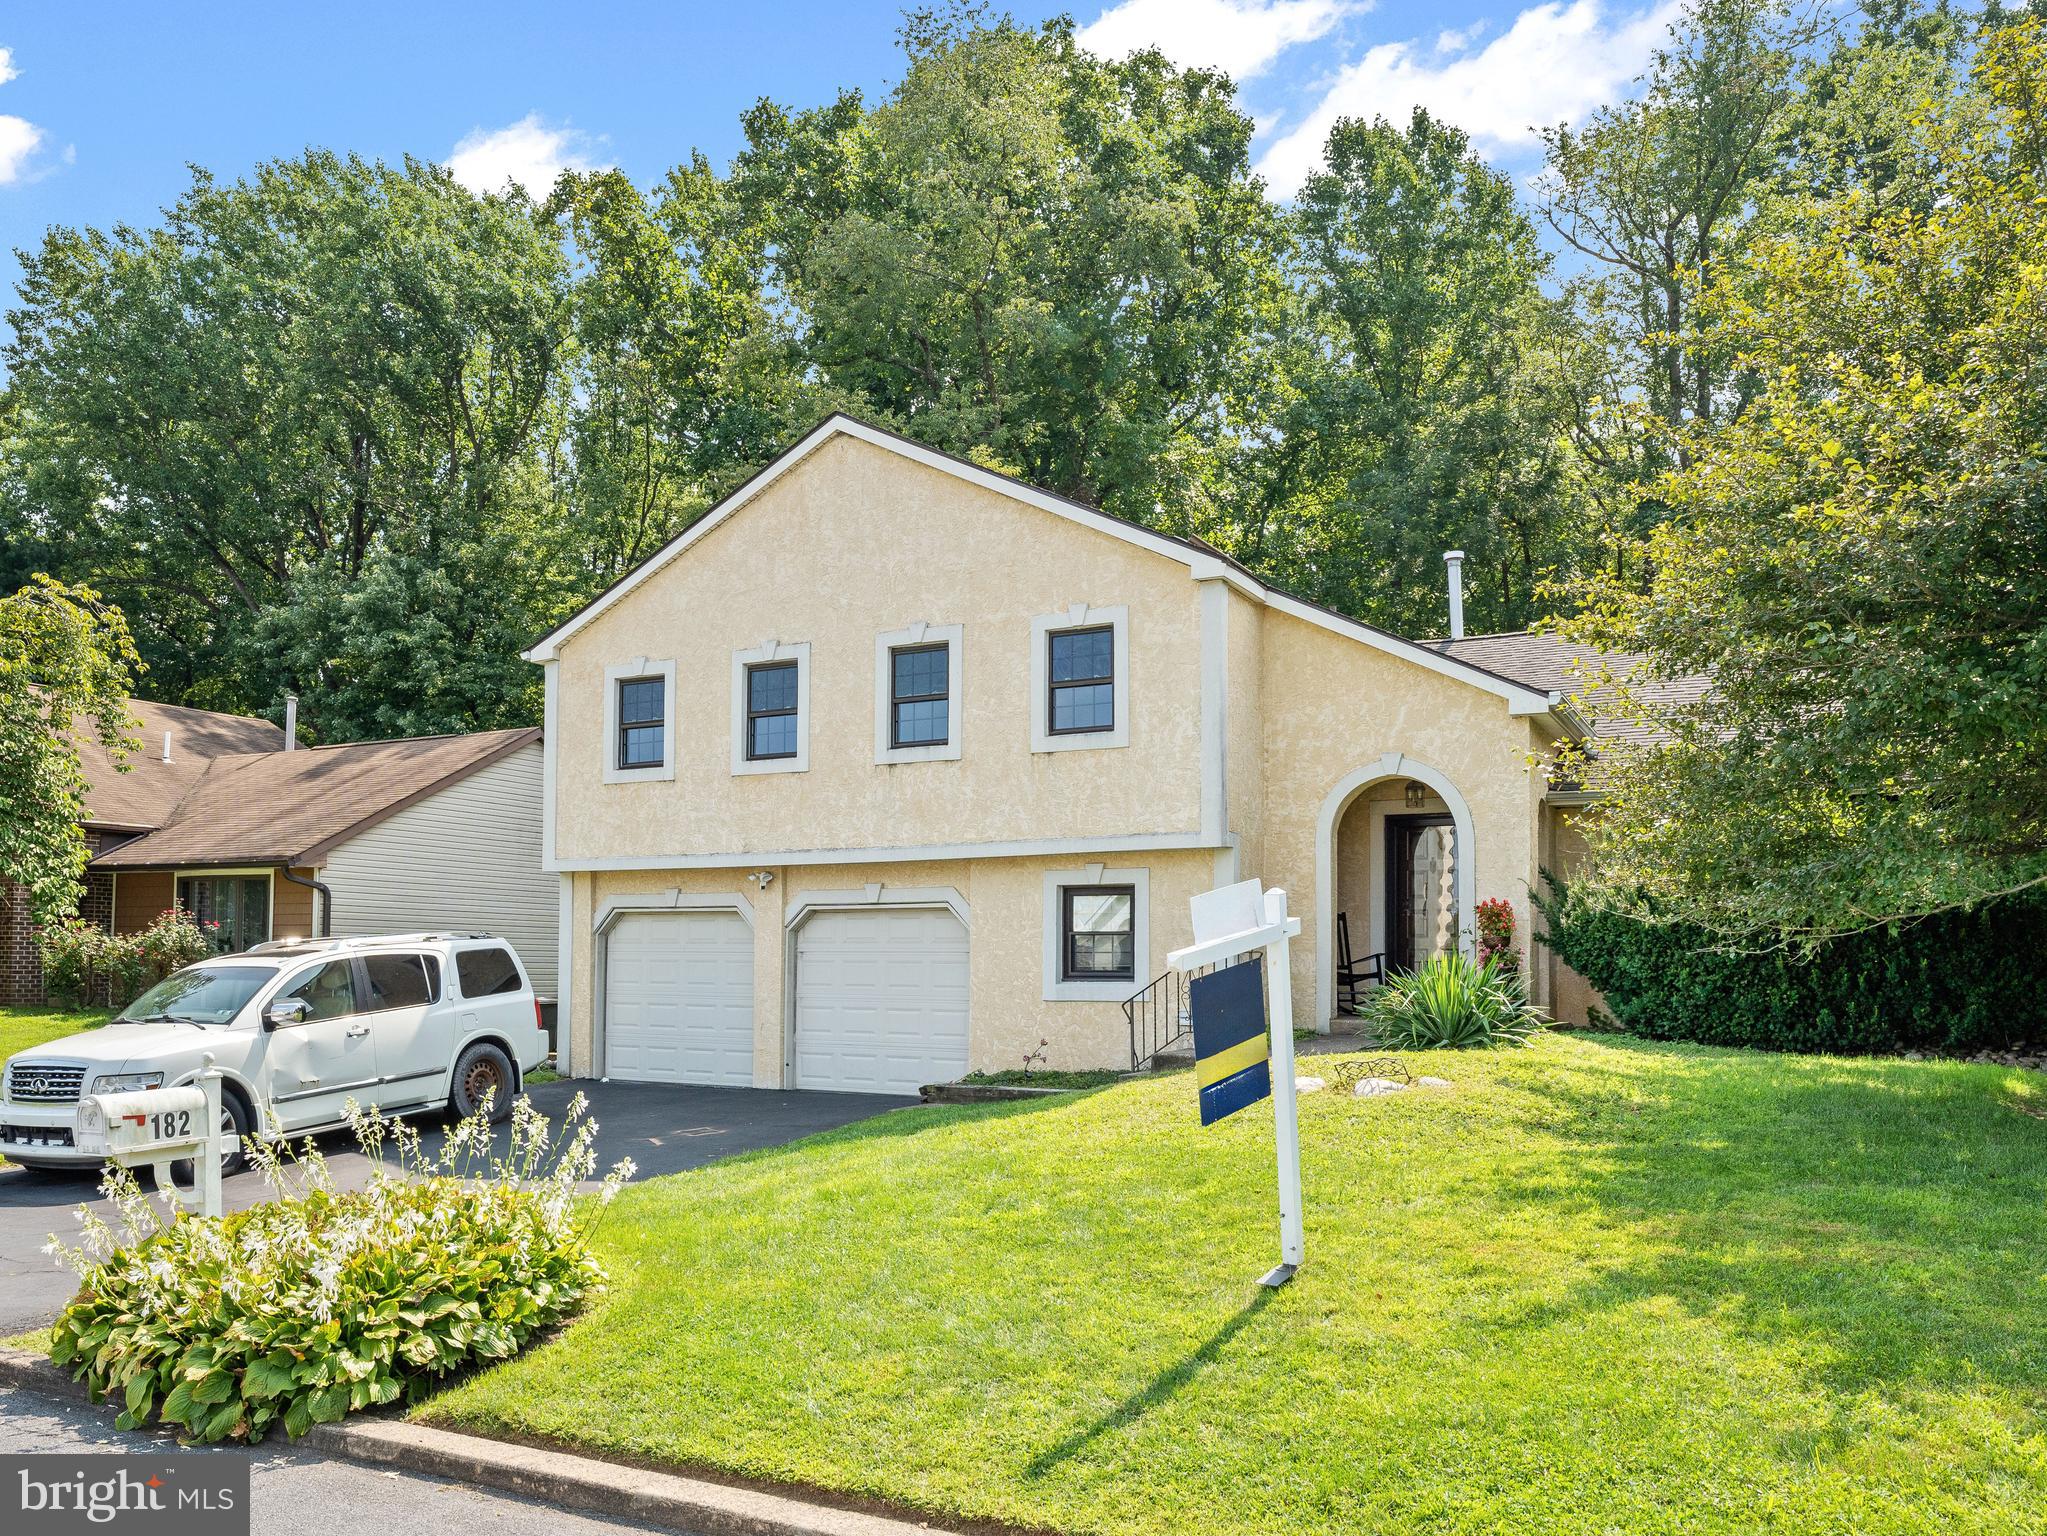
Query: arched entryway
(1397,865)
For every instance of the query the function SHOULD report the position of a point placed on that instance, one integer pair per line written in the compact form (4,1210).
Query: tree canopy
(1859,561)
(1749,386)
(66,662)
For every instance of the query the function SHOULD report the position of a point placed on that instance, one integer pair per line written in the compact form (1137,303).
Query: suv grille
(44,1082)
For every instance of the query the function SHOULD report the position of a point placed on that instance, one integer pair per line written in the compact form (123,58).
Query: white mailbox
(157,1127)
(170,1121)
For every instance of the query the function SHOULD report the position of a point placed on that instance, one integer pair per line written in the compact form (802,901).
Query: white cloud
(19,138)
(530,152)
(1240,37)
(1555,64)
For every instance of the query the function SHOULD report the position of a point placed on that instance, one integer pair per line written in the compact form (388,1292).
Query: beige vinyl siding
(465,859)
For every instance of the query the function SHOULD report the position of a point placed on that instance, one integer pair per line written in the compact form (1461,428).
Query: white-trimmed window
(917,690)
(771,708)
(639,721)
(1080,679)
(1097,925)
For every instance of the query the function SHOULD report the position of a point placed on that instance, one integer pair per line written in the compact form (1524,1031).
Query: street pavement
(296,1492)
(661,1127)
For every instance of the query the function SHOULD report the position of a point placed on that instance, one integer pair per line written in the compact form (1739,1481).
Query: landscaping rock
(1432,1082)
(1309,1085)
(1376,1088)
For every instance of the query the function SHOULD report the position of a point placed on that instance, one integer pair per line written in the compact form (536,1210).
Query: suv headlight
(126,1082)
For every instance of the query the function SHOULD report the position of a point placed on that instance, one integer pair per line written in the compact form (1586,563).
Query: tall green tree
(1049,261)
(66,668)
(294,428)
(1859,562)
(1424,409)
(685,378)
(1659,191)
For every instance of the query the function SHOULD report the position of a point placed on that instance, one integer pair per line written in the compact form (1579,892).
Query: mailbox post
(157,1127)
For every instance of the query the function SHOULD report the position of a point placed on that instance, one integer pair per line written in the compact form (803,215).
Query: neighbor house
(178,743)
(891,767)
(229,820)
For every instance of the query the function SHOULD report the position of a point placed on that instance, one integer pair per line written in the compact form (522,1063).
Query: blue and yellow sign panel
(1232,1051)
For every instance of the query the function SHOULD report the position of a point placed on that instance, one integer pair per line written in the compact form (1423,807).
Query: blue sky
(102,105)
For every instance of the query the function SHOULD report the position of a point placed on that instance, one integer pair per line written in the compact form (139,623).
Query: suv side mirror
(286,1010)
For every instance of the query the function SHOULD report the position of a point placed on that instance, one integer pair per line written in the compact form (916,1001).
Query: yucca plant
(1453,1003)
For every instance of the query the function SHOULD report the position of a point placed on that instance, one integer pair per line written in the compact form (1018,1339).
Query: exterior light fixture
(1417,792)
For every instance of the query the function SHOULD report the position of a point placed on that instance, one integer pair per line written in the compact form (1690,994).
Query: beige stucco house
(891,768)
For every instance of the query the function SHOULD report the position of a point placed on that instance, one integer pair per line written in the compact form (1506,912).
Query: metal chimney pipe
(291,721)
(1454,558)
(166,746)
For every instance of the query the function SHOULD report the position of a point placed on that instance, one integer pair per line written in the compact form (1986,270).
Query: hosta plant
(1452,1002)
(322,1301)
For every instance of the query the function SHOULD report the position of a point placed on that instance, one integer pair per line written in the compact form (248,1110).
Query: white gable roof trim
(1202,566)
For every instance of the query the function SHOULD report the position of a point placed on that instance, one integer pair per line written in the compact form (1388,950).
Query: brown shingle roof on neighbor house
(291,807)
(148,793)
(1556,666)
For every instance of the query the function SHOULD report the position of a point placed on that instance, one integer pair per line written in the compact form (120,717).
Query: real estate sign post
(1239,1056)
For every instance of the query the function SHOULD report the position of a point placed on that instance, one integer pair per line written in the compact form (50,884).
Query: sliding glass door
(234,909)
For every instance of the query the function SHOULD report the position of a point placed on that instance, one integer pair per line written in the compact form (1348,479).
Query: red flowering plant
(1496,934)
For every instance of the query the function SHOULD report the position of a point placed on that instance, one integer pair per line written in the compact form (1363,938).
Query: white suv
(298,1028)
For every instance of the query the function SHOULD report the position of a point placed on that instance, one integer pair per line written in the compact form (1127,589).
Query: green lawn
(1595,1286)
(22,1028)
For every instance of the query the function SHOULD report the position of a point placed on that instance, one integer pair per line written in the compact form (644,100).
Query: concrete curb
(571,1482)
(601,1487)
(32,1372)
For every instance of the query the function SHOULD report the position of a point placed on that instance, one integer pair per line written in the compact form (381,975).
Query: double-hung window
(1081,673)
(1080,679)
(642,719)
(920,712)
(639,721)
(771,711)
(1098,933)
(771,708)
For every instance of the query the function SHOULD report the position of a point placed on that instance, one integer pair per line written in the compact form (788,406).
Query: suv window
(484,971)
(402,981)
(327,991)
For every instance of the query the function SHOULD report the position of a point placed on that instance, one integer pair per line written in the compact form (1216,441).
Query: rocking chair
(1352,974)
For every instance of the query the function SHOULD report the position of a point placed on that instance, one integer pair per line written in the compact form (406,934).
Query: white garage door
(881,1000)
(678,998)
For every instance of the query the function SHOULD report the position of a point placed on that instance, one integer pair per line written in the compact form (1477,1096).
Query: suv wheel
(234,1124)
(483,1070)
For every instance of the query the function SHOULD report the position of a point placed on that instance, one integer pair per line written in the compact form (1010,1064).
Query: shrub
(1453,1002)
(1496,933)
(84,966)
(1961,981)
(320,1302)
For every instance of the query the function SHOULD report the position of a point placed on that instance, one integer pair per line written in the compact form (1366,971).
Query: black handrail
(1158,1018)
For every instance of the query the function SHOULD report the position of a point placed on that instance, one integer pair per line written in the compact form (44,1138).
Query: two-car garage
(880,999)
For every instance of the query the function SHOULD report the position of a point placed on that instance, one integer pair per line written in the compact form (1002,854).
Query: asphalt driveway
(663,1129)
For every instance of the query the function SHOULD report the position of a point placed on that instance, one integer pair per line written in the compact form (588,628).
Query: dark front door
(1421,889)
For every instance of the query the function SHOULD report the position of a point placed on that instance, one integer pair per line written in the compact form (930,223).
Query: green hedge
(1963,981)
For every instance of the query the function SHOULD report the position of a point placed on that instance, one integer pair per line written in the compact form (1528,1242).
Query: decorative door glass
(1432,904)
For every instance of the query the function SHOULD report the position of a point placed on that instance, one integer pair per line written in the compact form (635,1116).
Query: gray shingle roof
(289,807)
(149,791)
(1556,666)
